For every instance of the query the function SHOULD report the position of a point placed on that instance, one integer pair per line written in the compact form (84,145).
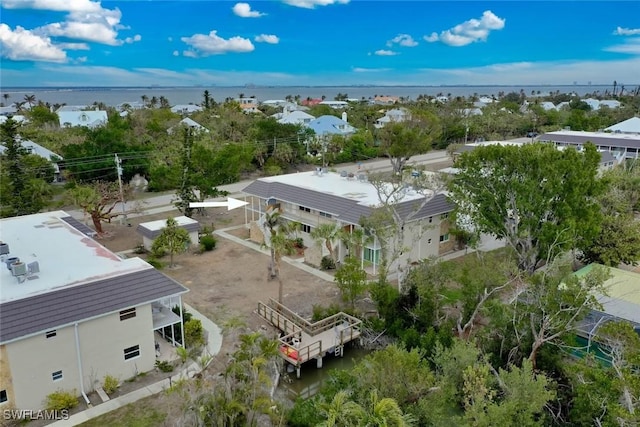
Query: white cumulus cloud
(627,31)
(471,31)
(267,38)
(403,40)
(55,5)
(213,44)
(243,10)
(630,46)
(384,52)
(133,39)
(24,45)
(311,4)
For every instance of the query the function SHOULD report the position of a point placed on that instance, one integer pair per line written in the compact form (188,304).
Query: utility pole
(118,162)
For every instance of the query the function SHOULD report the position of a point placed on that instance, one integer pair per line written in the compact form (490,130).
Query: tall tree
(30,99)
(539,199)
(401,141)
(24,177)
(99,200)
(351,280)
(172,239)
(186,194)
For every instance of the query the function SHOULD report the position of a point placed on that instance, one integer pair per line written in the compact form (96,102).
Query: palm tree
(6,97)
(164,102)
(341,411)
(354,240)
(327,233)
(144,99)
(30,99)
(386,412)
(280,244)
(153,102)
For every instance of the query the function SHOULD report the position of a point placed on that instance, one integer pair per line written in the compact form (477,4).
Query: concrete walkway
(214,343)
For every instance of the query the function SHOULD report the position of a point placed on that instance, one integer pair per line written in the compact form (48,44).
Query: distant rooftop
(66,256)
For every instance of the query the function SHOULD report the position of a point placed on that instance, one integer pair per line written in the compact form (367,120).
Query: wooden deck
(304,340)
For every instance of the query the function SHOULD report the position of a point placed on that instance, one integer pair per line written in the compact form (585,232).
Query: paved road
(164,202)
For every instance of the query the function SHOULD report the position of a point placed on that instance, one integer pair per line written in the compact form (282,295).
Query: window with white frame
(444,238)
(304,208)
(372,255)
(50,334)
(56,376)
(429,241)
(430,219)
(131,352)
(324,214)
(129,313)
(444,215)
(3,396)
(305,228)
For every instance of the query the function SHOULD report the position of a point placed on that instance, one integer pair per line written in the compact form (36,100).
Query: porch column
(181,323)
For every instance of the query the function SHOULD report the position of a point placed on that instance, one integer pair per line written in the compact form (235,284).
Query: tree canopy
(541,200)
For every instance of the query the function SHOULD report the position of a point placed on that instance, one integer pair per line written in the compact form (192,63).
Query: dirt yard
(229,281)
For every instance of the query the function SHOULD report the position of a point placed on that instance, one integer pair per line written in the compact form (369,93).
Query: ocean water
(113,96)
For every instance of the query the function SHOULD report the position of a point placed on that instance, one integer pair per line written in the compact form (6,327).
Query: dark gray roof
(344,209)
(606,157)
(54,309)
(598,140)
(84,229)
(152,234)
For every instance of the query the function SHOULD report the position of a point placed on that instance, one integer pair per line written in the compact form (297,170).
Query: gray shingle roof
(51,310)
(344,209)
(601,141)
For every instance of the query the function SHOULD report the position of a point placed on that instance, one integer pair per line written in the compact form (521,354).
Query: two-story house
(72,312)
(319,197)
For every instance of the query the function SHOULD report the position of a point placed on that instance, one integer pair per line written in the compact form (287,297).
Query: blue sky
(318,42)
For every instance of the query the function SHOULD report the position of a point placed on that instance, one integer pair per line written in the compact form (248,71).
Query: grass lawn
(143,413)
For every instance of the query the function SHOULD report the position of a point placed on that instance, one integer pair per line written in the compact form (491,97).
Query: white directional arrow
(231,203)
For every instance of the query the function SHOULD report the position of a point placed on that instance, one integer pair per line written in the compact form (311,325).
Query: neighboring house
(133,105)
(17,118)
(394,115)
(151,230)
(335,104)
(608,161)
(8,110)
(596,104)
(276,102)
(248,105)
(72,311)
(314,198)
(189,123)
(330,125)
(39,150)
(310,102)
(547,106)
(468,112)
(386,100)
(620,145)
(621,303)
(294,117)
(631,126)
(72,108)
(186,108)
(564,105)
(89,118)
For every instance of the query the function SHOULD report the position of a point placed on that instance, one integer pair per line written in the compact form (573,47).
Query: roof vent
(4,248)
(11,261)
(344,174)
(18,268)
(362,177)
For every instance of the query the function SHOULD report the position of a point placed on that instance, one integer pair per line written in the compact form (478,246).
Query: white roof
(66,256)
(625,136)
(332,183)
(89,118)
(295,117)
(38,150)
(162,223)
(631,125)
(16,118)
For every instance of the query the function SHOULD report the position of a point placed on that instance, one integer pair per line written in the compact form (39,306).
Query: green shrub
(193,333)
(158,251)
(140,249)
(327,263)
(110,384)
(164,366)
(156,263)
(298,242)
(208,242)
(59,400)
